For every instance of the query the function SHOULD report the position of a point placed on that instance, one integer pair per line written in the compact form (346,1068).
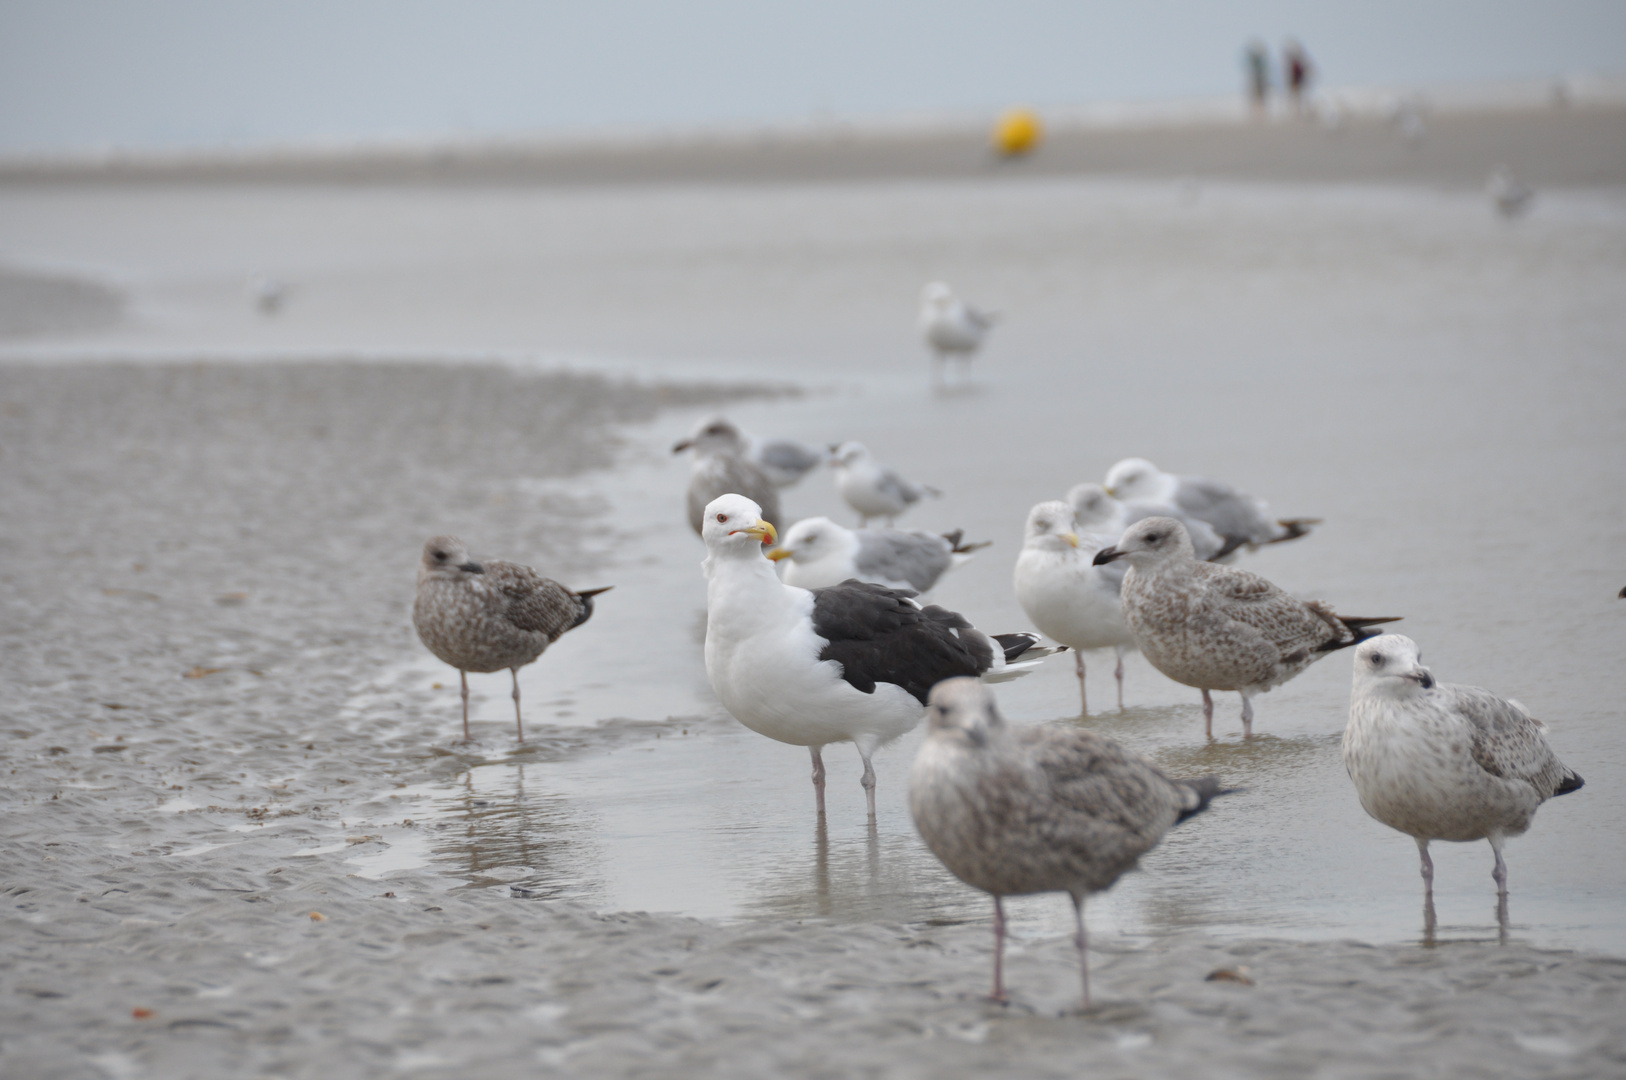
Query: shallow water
(1444,388)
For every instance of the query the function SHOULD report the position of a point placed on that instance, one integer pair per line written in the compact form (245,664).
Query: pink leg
(1083,943)
(818,778)
(999,952)
(868,783)
(1118,673)
(1208,714)
(1247,717)
(1083,698)
(519,724)
(464,676)
(1427,867)
(1499,874)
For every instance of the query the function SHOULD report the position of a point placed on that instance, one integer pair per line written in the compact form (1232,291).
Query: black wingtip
(1014,645)
(1296,527)
(1207,789)
(1232,544)
(586,597)
(1571,782)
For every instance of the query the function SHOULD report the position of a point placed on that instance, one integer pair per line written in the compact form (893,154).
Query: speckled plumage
(488,616)
(1216,627)
(1030,809)
(1438,761)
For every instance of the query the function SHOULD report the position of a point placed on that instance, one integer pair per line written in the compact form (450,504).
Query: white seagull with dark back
(1068,597)
(1216,627)
(818,553)
(492,615)
(951,327)
(721,467)
(1036,808)
(1239,519)
(851,663)
(1439,761)
(873,489)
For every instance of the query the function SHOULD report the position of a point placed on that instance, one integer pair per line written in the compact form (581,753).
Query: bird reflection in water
(509,838)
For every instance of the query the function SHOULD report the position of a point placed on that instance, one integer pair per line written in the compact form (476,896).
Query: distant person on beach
(1297,71)
(1256,61)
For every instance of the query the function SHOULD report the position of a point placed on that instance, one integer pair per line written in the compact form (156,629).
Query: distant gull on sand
(1068,597)
(872,489)
(784,461)
(1238,518)
(851,663)
(1507,193)
(951,327)
(1439,761)
(1036,808)
(490,616)
(721,468)
(1097,512)
(819,553)
(1216,627)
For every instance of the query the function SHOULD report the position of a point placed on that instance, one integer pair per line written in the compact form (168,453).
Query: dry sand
(201,562)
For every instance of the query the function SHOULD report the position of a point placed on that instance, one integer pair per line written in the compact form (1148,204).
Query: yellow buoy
(1018,132)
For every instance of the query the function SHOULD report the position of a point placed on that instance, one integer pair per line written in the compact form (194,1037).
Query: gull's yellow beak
(1111,491)
(763,531)
(779,553)
(1071,538)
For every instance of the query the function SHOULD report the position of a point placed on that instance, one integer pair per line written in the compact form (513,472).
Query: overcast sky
(90,74)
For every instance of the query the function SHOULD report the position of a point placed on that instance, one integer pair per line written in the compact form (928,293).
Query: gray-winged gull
(492,615)
(1237,517)
(1036,808)
(720,467)
(1216,627)
(951,327)
(873,489)
(783,461)
(1100,513)
(1438,761)
(1068,597)
(818,553)
(851,663)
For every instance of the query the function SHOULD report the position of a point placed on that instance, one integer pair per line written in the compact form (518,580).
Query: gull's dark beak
(682,445)
(1106,555)
(472,568)
(1421,677)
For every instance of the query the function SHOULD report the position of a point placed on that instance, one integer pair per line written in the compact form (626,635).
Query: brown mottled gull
(722,467)
(489,616)
(1216,627)
(1036,808)
(1439,761)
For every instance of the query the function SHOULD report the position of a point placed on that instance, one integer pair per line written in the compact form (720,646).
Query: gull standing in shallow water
(489,616)
(1216,627)
(1068,597)
(1036,808)
(1238,518)
(872,489)
(851,663)
(951,327)
(721,468)
(819,553)
(1439,761)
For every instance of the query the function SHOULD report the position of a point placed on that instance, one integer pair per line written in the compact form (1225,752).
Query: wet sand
(203,562)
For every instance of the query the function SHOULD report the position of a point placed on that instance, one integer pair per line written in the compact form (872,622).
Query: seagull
(1510,196)
(489,616)
(1216,627)
(819,553)
(951,327)
(1439,761)
(267,293)
(721,467)
(850,663)
(1238,518)
(783,461)
(870,488)
(1097,512)
(1068,598)
(1036,808)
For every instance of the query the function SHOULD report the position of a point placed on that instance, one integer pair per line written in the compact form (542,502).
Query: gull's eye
(722,517)
(1377,659)
(1152,538)
(440,556)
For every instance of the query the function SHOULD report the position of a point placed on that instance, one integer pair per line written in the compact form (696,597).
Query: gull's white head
(962,709)
(1051,528)
(936,296)
(734,524)
(446,558)
(1150,542)
(811,539)
(1092,505)
(1134,478)
(713,436)
(847,454)
(1392,665)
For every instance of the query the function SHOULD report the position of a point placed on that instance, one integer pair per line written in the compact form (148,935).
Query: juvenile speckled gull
(872,489)
(1100,513)
(489,616)
(1438,761)
(951,327)
(1069,598)
(851,663)
(720,467)
(1216,627)
(1238,518)
(1036,808)
(818,553)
